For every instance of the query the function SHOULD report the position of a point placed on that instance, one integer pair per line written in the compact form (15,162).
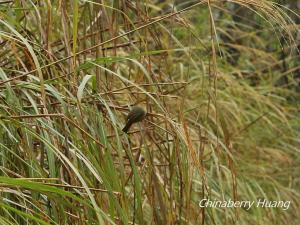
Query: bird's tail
(127,126)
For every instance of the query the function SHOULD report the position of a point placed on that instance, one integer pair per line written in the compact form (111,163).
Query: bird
(136,114)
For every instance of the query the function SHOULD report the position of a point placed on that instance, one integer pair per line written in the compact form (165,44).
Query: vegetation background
(219,80)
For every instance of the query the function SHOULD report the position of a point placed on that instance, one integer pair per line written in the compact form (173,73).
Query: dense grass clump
(219,81)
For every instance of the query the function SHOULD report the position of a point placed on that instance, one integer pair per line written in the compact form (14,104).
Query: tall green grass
(222,103)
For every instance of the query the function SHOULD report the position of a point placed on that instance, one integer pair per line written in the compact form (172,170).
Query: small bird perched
(137,114)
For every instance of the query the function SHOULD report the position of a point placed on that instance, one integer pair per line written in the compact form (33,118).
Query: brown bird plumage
(136,114)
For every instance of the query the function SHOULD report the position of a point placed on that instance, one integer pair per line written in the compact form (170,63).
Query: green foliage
(219,80)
